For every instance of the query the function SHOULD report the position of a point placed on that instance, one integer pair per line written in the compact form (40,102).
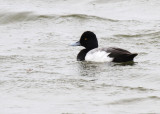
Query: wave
(157,33)
(132,100)
(129,88)
(104,1)
(84,16)
(11,17)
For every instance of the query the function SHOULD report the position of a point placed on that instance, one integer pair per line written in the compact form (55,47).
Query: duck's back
(120,55)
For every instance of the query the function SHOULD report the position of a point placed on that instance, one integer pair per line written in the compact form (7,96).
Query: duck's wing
(120,55)
(117,51)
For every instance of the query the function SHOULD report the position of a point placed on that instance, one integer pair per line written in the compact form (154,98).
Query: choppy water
(39,73)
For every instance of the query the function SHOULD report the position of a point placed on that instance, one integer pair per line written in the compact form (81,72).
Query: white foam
(98,55)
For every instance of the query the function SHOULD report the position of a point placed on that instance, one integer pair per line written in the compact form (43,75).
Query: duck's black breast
(81,55)
(120,55)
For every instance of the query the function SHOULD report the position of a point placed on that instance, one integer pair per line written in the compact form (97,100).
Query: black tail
(131,56)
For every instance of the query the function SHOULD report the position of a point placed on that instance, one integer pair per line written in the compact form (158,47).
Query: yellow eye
(85,38)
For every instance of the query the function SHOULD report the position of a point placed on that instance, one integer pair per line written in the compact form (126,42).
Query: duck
(92,53)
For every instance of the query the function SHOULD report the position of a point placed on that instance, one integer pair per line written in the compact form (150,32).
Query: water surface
(39,71)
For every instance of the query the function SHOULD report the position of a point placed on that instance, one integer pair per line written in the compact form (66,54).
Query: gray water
(39,73)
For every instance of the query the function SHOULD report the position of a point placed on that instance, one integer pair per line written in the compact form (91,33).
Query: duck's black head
(88,40)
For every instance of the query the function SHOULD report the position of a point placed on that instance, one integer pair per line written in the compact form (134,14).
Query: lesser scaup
(93,53)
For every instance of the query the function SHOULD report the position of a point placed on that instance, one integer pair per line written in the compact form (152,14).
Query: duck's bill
(76,44)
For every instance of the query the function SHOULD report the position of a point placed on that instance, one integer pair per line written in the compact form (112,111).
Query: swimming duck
(93,53)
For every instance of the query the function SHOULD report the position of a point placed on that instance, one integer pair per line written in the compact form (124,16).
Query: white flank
(97,55)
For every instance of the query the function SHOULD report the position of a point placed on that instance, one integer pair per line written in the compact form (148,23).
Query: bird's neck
(81,55)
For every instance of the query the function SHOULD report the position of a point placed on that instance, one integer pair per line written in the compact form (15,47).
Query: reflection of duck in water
(93,53)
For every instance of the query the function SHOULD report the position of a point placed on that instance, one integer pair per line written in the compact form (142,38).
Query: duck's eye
(85,38)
